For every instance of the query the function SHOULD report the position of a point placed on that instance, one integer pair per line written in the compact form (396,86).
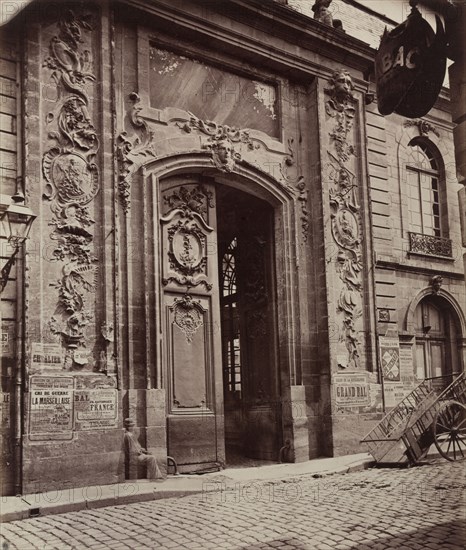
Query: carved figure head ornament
(343,85)
(436,283)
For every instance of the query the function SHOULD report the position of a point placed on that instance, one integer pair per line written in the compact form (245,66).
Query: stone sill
(436,256)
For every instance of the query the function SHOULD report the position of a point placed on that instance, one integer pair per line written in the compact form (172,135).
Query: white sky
(397,10)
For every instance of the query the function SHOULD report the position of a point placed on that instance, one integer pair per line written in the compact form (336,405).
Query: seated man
(134,449)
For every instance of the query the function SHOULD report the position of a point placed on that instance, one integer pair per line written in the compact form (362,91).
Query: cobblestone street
(420,508)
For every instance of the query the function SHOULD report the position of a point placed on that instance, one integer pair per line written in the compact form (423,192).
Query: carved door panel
(191,345)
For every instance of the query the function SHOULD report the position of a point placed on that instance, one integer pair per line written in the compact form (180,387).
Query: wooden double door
(218,324)
(437,342)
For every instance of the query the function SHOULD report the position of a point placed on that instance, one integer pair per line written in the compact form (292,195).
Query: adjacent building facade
(232,247)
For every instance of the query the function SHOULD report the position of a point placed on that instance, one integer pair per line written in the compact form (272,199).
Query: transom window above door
(213,93)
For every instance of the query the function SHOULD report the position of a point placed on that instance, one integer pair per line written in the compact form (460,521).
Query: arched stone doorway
(218,322)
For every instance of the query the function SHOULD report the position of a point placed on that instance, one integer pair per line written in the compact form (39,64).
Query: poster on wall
(51,408)
(408,378)
(389,350)
(8,339)
(96,409)
(46,357)
(394,393)
(5,411)
(352,390)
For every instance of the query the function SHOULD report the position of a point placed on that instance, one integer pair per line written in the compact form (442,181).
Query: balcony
(428,245)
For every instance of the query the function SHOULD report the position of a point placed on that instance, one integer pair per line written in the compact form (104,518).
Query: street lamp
(15,221)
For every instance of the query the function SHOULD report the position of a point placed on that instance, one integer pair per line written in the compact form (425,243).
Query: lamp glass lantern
(16,221)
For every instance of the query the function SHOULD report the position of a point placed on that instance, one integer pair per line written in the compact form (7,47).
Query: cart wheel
(450,430)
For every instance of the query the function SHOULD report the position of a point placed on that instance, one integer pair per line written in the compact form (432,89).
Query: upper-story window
(423,173)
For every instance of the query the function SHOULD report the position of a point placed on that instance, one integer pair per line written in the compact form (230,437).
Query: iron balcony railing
(430,245)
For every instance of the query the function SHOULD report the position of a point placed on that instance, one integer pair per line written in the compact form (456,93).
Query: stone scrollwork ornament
(299,182)
(423,126)
(345,213)
(132,151)
(305,214)
(71,67)
(217,131)
(72,180)
(221,142)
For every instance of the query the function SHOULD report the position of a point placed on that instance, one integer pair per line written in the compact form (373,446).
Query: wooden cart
(433,413)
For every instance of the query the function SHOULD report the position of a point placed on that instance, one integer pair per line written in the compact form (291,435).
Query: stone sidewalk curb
(92,497)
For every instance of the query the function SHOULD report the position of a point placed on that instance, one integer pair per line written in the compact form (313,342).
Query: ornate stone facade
(143,171)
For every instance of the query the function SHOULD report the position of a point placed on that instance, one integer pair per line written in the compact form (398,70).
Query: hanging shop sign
(410,67)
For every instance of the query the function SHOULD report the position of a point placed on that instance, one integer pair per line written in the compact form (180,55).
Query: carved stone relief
(341,107)
(147,137)
(345,214)
(299,186)
(72,182)
(188,316)
(71,66)
(305,214)
(132,151)
(217,131)
(436,283)
(221,141)
(423,126)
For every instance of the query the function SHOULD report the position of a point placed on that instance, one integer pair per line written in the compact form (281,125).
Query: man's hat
(129,422)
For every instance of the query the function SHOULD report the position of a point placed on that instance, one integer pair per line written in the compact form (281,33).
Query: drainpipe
(18,381)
